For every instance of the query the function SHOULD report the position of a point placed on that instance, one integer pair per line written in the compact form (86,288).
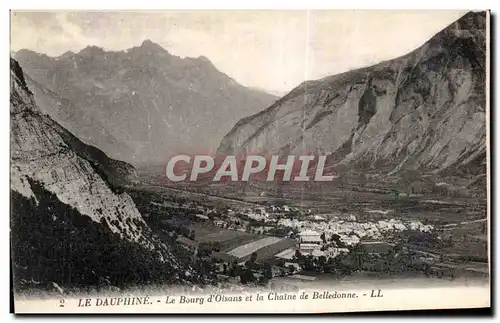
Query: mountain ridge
(365,119)
(156,103)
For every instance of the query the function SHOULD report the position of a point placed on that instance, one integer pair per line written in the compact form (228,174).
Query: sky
(271,50)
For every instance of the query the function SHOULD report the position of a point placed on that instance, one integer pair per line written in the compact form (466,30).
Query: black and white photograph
(250,161)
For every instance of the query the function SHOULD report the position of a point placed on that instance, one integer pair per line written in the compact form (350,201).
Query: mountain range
(140,105)
(424,111)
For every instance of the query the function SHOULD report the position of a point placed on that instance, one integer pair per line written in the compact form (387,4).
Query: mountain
(71,225)
(425,111)
(85,126)
(148,100)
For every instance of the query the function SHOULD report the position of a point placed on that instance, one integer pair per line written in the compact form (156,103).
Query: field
(237,245)
(286,254)
(270,251)
(226,239)
(249,248)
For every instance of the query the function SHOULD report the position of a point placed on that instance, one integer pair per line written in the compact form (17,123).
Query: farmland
(270,251)
(237,245)
(459,240)
(249,248)
(226,239)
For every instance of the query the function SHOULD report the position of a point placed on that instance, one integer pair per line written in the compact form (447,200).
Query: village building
(220,223)
(334,252)
(309,241)
(317,253)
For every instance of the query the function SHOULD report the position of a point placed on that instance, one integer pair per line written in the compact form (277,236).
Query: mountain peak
(25,52)
(203,59)
(91,51)
(473,19)
(151,46)
(67,54)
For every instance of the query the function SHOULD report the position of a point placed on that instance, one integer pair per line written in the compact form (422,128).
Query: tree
(309,263)
(360,256)
(297,255)
(249,264)
(321,262)
(268,272)
(323,237)
(233,269)
(247,276)
(253,257)
(338,243)
(192,235)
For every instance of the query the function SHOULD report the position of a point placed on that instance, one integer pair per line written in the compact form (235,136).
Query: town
(262,244)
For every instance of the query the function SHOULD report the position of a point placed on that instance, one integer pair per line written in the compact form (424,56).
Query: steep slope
(423,111)
(87,128)
(70,225)
(153,102)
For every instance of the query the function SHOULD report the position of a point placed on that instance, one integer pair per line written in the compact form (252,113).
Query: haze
(270,50)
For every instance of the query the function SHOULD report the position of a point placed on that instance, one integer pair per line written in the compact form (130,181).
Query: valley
(453,240)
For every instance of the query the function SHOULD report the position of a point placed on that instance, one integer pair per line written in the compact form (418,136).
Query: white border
(187,4)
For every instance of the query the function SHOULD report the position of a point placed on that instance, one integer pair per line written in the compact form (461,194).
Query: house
(309,241)
(308,248)
(220,223)
(317,253)
(350,240)
(334,252)
(310,236)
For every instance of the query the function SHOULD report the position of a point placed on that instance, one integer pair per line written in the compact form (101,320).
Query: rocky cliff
(425,111)
(70,223)
(150,102)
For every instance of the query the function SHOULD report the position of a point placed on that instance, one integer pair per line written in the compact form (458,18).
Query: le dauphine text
(223,298)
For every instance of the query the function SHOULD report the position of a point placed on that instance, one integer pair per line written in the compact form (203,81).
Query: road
(454,225)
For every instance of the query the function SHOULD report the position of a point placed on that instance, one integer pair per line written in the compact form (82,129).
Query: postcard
(265,161)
